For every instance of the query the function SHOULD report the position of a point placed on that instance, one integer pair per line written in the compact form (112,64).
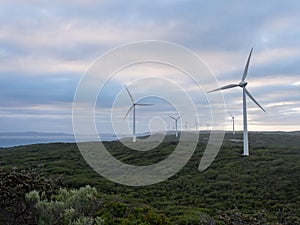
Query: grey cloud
(45,89)
(81,31)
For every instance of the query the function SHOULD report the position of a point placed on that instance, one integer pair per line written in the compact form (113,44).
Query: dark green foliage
(85,207)
(260,189)
(125,214)
(14,184)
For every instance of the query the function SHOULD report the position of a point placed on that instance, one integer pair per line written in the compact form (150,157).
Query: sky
(46,47)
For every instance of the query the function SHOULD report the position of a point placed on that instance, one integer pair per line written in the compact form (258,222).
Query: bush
(15,208)
(121,213)
(68,207)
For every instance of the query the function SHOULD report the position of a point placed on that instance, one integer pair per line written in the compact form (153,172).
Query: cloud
(45,47)
(30,90)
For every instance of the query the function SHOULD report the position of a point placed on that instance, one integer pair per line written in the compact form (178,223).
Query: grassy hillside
(263,188)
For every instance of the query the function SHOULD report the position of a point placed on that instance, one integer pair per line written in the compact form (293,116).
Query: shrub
(68,207)
(15,207)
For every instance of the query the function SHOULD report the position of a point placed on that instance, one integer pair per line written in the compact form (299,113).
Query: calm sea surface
(16,140)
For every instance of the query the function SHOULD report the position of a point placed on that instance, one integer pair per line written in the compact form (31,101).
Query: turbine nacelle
(243,83)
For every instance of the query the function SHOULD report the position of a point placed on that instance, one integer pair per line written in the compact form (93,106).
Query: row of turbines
(241,84)
(187,126)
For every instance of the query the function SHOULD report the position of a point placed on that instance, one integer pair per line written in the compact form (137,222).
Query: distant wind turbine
(132,107)
(197,125)
(186,126)
(176,120)
(243,84)
(232,117)
(207,126)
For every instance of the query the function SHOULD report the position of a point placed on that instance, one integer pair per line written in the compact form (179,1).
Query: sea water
(11,140)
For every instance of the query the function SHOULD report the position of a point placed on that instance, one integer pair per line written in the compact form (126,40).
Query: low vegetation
(260,189)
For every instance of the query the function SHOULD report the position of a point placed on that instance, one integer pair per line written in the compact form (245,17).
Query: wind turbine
(132,107)
(233,130)
(207,127)
(243,85)
(197,125)
(176,120)
(186,126)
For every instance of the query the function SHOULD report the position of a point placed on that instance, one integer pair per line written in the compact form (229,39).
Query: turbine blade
(179,116)
(230,114)
(247,66)
(141,104)
(224,87)
(172,117)
(128,111)
(129,94)
(253,99)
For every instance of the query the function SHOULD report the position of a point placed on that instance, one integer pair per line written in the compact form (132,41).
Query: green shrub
(15,206)
(67,207)
(121,213)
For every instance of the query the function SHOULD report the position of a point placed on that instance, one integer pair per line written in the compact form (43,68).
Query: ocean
(17,139)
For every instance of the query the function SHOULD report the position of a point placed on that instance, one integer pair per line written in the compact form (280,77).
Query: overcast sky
(46,46)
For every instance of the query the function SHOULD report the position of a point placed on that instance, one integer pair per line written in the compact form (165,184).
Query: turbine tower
(233,130)
(132,107)
(243,85)
(176,120)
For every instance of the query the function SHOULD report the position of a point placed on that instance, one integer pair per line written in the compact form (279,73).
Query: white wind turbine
(176,120)
(132,107)
(207,127)
(197,125)
(233,129)
(243,84)
(186,126)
